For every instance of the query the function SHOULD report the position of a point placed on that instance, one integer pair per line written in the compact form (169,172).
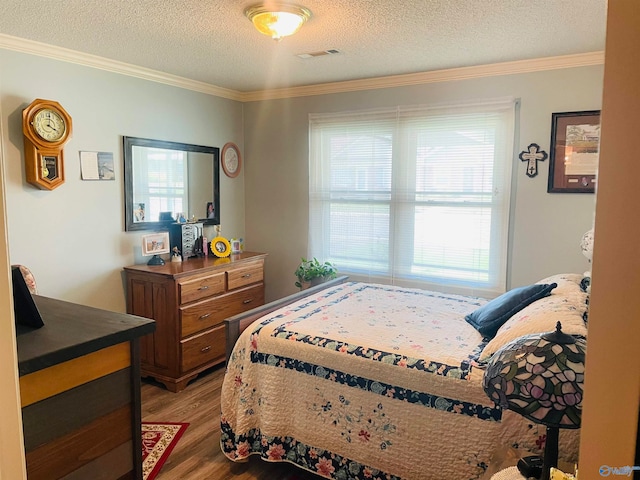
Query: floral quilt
(365,381)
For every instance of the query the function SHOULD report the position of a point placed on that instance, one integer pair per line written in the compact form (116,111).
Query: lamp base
(156,260)
(550,452)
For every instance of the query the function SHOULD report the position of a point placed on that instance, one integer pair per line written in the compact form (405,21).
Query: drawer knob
(205,349)
(248,301)
(246,275)
(202,317)
(204,287)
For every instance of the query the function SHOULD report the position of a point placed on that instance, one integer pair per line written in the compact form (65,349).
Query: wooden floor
(197,456)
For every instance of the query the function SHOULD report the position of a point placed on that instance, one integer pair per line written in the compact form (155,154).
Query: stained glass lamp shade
(540,377)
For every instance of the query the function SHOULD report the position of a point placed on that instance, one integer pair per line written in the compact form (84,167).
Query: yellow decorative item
(560,475)
(220,247)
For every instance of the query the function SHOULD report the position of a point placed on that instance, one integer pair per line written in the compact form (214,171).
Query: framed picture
(155,244)
(220,247)
(236,245)
(211,212)
(575,139)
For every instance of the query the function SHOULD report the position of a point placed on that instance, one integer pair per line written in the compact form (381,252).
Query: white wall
(546,229)
(73,237)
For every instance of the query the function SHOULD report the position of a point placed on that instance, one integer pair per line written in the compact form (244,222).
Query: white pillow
(567,283)
(568,306)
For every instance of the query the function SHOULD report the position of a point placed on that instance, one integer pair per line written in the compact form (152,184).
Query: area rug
(158,440)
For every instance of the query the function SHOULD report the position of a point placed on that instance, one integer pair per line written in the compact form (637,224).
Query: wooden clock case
(44,160)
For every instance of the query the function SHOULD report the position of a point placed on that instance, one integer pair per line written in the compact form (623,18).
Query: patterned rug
(158,439)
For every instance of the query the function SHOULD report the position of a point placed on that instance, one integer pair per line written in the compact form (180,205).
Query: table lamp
(540,376)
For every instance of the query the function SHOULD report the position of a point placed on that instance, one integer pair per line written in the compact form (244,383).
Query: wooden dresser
(189,301)
(80,392)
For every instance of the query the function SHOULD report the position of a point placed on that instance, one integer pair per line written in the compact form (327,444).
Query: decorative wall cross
(531,156)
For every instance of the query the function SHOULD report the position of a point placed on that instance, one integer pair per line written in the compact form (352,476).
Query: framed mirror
(166,180)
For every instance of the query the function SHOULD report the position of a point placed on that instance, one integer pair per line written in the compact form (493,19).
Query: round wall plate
(231,159)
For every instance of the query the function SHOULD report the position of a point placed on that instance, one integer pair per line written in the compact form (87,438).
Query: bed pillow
(490,317)
(568,283)
(541,317)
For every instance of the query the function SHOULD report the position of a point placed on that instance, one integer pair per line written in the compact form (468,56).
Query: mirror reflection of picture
(211,213)
(138,212)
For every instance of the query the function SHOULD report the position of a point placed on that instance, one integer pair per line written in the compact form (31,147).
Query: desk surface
(191,265)
(71,330)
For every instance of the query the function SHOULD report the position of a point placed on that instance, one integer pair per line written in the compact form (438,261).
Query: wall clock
(231,159)
(46,127)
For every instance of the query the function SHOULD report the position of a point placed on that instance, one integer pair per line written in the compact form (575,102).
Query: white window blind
(414,195)
(164,176)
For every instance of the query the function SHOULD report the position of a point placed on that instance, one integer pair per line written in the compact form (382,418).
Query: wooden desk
(80,392)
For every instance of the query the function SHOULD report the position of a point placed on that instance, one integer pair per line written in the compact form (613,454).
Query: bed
(364,381)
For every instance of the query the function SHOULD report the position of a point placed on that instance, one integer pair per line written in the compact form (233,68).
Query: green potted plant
(313,272)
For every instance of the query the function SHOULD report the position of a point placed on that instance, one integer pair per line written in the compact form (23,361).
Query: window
(414,195)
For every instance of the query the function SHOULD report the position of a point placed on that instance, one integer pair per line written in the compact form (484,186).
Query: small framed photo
(220,247)
(211,212)
(155,244)
(575,140)
(236,245)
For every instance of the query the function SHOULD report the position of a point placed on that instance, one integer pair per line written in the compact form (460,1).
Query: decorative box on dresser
(189,301)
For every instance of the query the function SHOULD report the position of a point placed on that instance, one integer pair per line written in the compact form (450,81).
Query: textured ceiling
(212,42)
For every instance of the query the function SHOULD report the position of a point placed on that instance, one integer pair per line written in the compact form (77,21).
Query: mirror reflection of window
(159,179)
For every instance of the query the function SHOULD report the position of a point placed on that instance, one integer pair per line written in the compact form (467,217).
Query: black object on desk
(24,307)
(530,467)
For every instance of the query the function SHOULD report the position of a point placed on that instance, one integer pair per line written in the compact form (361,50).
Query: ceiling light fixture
(277,19)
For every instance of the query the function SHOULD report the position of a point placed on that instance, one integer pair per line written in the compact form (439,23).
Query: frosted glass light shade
(277,20)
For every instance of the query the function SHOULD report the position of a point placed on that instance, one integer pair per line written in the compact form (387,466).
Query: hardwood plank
(72,451)
(65,376)
(114,464)
(198,456)
(61,414)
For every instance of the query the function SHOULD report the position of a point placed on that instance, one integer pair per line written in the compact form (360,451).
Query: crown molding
(73,56)
(496,69)
(463,73)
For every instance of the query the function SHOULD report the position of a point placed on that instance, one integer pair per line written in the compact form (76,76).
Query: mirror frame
(128,144)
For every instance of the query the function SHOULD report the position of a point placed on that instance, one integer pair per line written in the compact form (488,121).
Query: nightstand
(511,473)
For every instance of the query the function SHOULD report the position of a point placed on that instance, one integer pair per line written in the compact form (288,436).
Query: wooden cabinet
(80,392)
(189,301)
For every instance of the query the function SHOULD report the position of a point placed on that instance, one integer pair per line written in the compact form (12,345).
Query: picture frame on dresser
(573,159)
(155,244)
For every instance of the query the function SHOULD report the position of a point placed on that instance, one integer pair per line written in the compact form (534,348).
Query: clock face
(231,160)
(49,125)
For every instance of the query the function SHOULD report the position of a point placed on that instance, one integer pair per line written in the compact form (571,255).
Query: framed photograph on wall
(575,140)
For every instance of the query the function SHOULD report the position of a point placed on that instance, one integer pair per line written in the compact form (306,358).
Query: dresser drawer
(201,287)
(245,275)
(203,348)
(200,316)
(209,313)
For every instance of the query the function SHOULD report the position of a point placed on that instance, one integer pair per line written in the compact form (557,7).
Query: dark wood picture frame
(575,139)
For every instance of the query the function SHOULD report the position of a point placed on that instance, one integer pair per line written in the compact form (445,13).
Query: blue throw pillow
(491,316)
